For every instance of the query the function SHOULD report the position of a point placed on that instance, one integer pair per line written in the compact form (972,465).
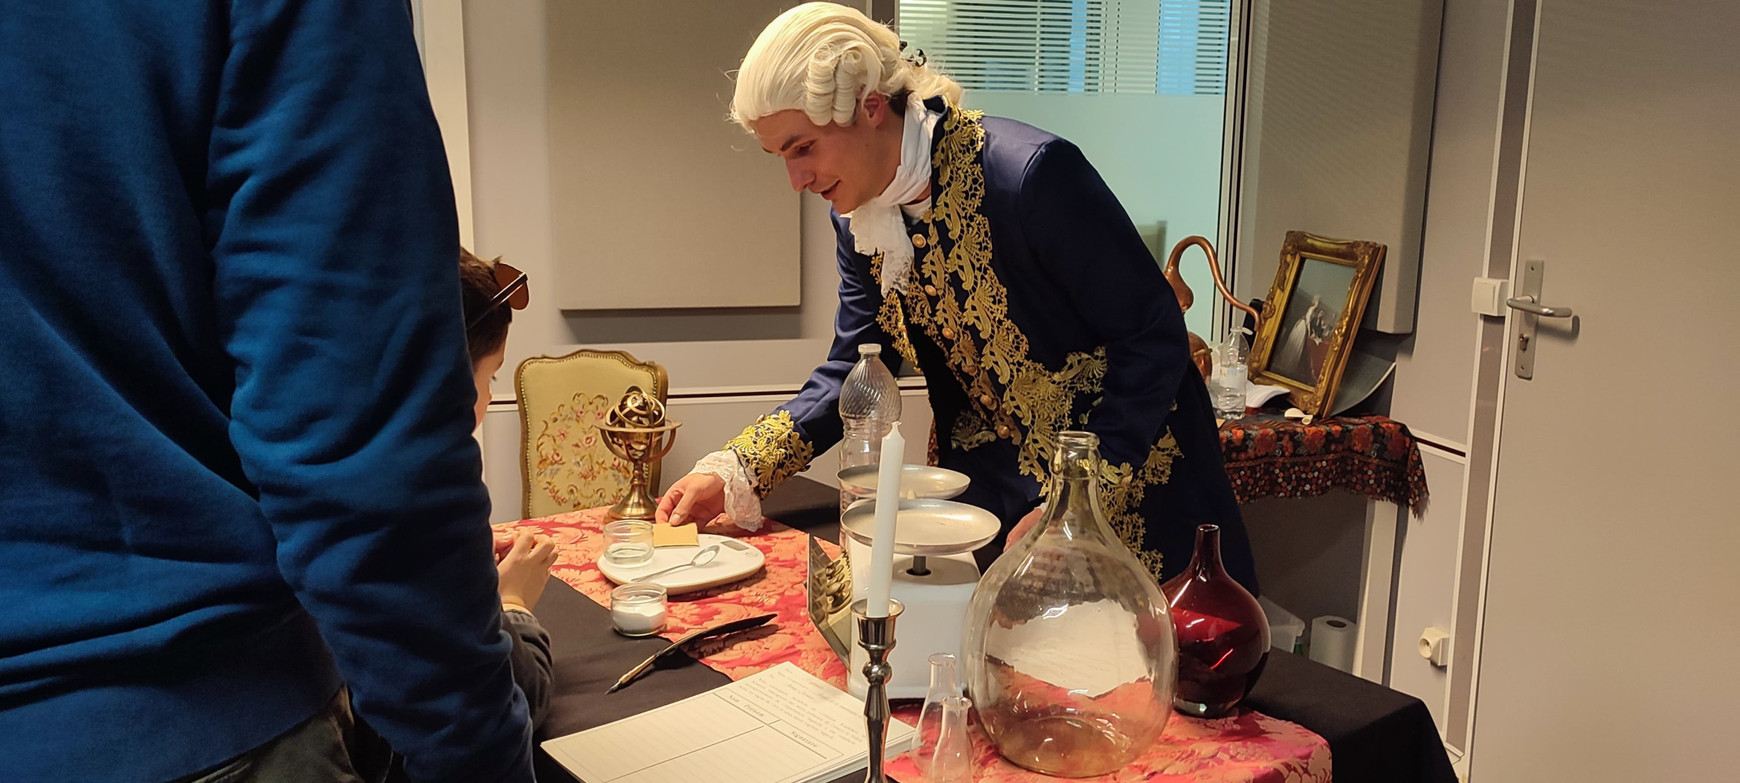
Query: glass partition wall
(1139,85)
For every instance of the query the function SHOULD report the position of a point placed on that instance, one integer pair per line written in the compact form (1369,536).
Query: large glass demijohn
(1070,652)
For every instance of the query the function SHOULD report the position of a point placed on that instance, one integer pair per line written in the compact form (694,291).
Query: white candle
(887,511)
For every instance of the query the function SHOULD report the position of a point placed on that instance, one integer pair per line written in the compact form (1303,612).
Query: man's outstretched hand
(698,498)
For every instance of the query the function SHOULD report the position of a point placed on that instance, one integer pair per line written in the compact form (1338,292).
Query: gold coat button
(918,240)
(988,401)
(970,368)
(930,290)
(1002,430)
(948,334)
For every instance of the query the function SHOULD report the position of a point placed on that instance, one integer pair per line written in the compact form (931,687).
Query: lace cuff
(742,505)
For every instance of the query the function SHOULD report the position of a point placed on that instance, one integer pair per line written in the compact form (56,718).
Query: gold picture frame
(1311,315)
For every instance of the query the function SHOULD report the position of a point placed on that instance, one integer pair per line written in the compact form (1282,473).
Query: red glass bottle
(1223,636)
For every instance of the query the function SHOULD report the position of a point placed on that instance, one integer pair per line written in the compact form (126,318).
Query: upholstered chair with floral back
(564,463)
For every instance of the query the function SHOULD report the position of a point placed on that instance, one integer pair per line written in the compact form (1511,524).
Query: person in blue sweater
(238,492)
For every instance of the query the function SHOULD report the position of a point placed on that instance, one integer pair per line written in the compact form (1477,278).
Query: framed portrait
(1311,316)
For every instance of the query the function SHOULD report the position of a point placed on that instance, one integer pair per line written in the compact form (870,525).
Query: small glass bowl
(628,542)
(638,608)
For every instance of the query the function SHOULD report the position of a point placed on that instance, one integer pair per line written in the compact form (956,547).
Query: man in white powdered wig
(989,255)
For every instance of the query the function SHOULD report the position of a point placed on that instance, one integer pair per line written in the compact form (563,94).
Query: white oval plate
(737,559)
(919,481)
(925,526)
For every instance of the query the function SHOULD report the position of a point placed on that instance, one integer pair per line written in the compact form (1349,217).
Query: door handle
(1527,304)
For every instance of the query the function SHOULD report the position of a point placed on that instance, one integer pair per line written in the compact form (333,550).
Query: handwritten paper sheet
(778,726)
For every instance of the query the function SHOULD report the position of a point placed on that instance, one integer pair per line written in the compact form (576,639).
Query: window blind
(1171,47)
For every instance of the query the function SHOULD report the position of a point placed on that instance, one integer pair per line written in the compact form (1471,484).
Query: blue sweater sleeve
(335,244)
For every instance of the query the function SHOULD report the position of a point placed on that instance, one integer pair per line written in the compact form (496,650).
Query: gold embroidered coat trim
(956,299)
(772,450)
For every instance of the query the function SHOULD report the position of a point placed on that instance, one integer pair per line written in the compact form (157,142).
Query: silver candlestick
(876,636)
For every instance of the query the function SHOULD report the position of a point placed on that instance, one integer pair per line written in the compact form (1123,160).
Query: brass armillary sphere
(637,431)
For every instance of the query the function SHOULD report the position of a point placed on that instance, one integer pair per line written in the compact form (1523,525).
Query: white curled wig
(822,58)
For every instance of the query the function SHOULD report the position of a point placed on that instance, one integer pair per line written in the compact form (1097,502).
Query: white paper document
(782,725)
(1257,395)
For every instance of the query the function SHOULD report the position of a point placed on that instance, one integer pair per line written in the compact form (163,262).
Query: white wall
(1337,133)
(1161,155)
(1434,388)
(505,67)
(1435,366)
(1425,586)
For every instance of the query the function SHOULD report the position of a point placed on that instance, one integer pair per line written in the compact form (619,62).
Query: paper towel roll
(1332,641)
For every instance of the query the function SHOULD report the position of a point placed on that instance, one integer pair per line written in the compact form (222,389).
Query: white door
(1611,637)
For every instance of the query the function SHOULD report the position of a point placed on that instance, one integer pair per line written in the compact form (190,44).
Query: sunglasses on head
(513,292)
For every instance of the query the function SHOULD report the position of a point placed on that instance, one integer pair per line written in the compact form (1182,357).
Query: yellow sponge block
(675,535)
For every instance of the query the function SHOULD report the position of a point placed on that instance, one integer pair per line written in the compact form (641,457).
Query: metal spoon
(701,558)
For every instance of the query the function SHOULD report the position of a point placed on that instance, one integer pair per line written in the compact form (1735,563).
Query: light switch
(1489,295)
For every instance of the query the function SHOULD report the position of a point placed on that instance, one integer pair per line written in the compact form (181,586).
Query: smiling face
(846,164)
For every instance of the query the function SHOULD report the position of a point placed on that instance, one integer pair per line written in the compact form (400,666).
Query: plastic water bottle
(869,406)
(1230,373)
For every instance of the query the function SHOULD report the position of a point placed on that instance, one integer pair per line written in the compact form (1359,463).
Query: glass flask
(1069,651)
(945,684)
(1223,636)
(953,762)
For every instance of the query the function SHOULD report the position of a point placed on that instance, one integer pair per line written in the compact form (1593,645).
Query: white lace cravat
(877,226)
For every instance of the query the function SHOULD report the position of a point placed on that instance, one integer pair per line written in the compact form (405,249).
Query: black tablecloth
(1375,734)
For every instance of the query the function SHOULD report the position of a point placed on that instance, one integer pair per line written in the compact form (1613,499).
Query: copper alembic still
(1200,354)
(637,432)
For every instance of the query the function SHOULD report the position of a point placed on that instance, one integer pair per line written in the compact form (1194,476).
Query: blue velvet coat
(1033,307)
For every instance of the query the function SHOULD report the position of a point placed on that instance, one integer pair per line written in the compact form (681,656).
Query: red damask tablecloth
(1372,455)
(1248,748)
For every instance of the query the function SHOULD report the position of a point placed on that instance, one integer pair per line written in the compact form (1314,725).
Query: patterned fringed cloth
(1374,456)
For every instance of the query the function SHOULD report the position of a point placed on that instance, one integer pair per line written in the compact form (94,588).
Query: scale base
(934,619)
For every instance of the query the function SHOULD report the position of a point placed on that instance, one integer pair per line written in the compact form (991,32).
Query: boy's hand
(503,539)
(526,569)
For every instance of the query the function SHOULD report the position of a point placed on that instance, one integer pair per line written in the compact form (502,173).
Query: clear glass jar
(628,542)
(1070,653)
(638,608)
